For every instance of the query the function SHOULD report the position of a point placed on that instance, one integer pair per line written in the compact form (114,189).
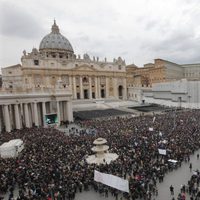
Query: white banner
(162,151)
(112,181)
(173,161)
(150,129)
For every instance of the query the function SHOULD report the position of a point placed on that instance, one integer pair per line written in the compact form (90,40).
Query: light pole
(180,99)
(189,96)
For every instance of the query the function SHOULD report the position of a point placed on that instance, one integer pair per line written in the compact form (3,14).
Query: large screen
(51,118)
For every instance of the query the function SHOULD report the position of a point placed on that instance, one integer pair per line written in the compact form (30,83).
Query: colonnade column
(74,88)
(1,118)
(27,119)
(58,112)
(90,88)
(17,117)
(96,89)
(107,87)
(36,114)
(44,113)
(81,87)
(69,111)
(7,118)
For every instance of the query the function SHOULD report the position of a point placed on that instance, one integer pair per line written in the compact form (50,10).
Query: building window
(36,62)
(119,67)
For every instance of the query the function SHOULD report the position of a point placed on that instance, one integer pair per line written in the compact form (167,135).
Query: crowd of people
(53,165)
(190,189)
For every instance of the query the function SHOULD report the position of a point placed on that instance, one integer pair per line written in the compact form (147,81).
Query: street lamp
(189,96)
(180,99)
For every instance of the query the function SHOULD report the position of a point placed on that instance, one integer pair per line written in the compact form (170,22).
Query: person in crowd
(53,166)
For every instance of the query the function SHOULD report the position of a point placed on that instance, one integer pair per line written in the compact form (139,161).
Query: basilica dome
(55,40)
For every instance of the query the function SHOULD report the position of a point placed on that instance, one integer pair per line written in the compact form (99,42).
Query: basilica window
(119,67)
(36,62)
(85,80)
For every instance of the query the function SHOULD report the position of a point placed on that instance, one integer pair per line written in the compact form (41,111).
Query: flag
(150,129)
(154,119)
(112,181)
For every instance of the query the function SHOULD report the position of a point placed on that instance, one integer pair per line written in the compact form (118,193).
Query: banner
(112,181)
(150,129)
(162,151)
(154,119)
(173,161)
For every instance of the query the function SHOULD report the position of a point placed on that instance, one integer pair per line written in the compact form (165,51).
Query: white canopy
(12,148)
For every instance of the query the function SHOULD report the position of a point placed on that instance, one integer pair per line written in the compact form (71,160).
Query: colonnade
(28,114)
(96,89)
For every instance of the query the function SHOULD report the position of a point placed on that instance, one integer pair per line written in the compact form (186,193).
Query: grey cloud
(15,21)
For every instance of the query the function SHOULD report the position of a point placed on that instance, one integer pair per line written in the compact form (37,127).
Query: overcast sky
(137,30)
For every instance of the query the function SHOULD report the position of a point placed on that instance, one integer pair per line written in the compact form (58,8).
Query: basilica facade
(56,64)
(50,78)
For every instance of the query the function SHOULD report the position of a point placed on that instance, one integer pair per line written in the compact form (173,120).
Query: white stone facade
(183,93)
(26,110)
(55,61)
(49,78)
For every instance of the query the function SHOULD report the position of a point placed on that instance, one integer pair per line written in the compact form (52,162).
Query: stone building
(49,78)
(181,93)
(87,78)
(142,79)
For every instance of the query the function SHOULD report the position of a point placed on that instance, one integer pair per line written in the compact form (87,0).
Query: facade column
(17,118)
(124,90)
(58,112)
(27,119)
(115,89)
(74,88)
(99,86)
(81,87)
(36,114)
(90,87)
(70,82)
(7,118)
(1,118)
(96,89)
(44,113)
(69,111)
(107,87)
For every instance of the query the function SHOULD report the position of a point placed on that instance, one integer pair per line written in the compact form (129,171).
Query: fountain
(101,156)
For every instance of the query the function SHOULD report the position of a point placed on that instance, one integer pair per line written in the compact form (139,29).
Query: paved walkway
(175,178)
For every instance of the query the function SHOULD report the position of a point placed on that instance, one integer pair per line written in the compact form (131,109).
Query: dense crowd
(53,165)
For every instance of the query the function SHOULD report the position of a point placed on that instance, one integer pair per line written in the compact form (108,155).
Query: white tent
(12,148)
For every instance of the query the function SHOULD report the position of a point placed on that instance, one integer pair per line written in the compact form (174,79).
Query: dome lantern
(55,28)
